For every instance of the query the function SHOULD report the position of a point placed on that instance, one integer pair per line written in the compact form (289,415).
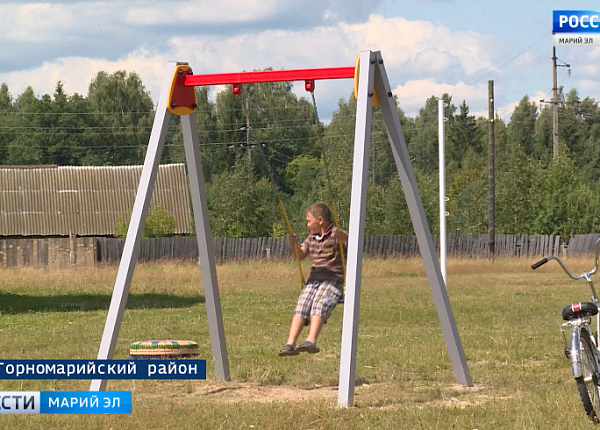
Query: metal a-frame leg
(356,229)
(136,226)
(372,74)
(205,247)
(419,221)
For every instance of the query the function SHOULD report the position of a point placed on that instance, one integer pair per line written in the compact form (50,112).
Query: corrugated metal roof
(84,201)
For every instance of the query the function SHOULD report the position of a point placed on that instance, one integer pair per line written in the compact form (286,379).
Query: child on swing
(324,286)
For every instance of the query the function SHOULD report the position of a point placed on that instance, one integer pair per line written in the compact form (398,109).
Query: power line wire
(511,59)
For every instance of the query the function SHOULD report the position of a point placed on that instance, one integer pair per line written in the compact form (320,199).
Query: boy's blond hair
(320,209)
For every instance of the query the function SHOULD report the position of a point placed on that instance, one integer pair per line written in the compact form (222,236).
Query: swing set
(178,97)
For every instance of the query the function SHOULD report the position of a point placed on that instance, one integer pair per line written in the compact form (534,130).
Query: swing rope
(328,180)
(283,212)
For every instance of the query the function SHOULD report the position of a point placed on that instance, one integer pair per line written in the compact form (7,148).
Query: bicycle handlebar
(539,263)
(584,275)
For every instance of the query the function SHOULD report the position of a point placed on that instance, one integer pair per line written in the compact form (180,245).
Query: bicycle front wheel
(588,383)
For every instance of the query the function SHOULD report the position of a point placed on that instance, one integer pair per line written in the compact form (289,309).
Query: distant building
(83,201)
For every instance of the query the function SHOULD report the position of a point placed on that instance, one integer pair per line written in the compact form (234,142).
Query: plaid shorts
(318,298)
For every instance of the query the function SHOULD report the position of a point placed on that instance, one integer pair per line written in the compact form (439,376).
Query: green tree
(66,125)
(578,130)
(124,112)
(590,171)
(305,175)
(423,148)
(52,129)
(338,142)
(521,129)
(467,205)
(571,130)
(517,190)
(27,145)
(382,166)
(395,218)
(283,124)
(240,204)
(464,138)
(7,122)
(560,206)
(212,153)
(543,136)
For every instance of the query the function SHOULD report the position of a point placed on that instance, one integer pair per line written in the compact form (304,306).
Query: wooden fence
(404,246)
(48,252)
(90,250)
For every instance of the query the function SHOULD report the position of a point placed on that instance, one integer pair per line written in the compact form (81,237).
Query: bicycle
(582,347)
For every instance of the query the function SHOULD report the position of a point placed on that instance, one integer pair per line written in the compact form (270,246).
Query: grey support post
(419,221)
(205,247)
(356,228)
(136,226)
(372,75)
(131,247)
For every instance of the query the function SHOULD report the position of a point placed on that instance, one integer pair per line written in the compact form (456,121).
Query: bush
(159,223)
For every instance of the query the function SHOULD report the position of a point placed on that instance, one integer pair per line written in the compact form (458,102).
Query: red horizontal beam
(269,76)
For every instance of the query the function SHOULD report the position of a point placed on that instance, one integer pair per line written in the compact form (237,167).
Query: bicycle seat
(577,310)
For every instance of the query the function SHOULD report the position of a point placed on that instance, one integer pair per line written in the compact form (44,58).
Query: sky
(430,47)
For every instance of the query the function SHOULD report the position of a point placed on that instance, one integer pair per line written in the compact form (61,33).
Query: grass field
(508,318)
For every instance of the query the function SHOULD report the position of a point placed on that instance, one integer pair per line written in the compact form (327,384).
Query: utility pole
(554,106)
(491,173)
(248,129)
(555,100)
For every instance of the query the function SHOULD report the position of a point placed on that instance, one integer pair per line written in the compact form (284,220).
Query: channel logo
(65,402)
(576,21)
(576,28)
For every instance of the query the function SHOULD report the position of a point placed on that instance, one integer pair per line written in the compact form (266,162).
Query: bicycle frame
(576,325)
(582,349)
(580,323)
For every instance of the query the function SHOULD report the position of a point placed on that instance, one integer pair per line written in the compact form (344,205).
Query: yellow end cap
(182,99)
(375,99)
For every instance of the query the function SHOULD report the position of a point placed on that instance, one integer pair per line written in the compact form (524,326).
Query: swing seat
(163,349)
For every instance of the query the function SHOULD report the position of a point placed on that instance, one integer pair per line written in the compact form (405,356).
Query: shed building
(84,201)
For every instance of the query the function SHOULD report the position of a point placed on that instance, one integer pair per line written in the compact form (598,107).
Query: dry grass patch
(507,315)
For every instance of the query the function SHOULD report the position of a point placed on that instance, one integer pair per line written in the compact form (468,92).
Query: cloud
(412,94)
(76,40)
(76,73)
(589,73)
(113,29)
(587,70)
(440,65)
(36,33)
(271,13)
(402,40)
(30,16)
(589,84)
(505,112)
(592,53)
(200,12)
(411,49)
